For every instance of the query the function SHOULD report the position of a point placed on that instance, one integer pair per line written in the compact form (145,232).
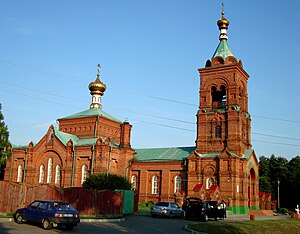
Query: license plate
(68,215)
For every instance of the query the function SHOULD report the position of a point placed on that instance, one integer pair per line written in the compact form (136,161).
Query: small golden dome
(97,87)
(223,23)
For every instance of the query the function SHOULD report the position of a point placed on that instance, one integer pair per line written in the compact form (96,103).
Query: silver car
(169,209)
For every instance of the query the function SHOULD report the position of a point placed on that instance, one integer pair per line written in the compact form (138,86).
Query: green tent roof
(92,112)
(223,50)
(163,154)
(247,154)
(65,137)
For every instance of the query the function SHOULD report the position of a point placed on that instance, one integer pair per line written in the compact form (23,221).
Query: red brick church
(221,165)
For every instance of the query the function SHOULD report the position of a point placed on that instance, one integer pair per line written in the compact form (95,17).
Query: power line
(135,112)
(277,119)
(55,95)
(276,143)
(133,93)
(174,127)
(274,136)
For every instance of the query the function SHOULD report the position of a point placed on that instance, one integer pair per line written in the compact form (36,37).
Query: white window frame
(84,173)
(155,185)
(177,183)
(49,174)
(20,174)
(57,174)
(42,174)
(209,182)
(134,182)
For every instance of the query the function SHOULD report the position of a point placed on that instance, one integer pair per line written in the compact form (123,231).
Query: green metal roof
(247,154)
(92,112)
(65,137)
(223,50)
(19,146)
(163,154)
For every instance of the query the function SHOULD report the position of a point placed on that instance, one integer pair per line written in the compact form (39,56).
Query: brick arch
(231,60)
(216,81)
(209,170)
(217,61)
(43,159)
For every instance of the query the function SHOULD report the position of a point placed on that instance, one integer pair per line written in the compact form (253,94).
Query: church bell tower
(223,120)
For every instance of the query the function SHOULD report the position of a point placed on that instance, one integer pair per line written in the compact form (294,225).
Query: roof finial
(223,10)
(97,89)
(223,25)
(98,74)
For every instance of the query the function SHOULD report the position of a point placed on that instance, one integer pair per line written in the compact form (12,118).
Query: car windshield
(63,206)
(162,204)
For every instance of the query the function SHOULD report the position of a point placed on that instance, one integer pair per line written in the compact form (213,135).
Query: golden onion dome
(223,23)
(97,86)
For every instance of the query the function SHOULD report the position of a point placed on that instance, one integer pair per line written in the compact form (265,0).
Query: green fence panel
(128,201)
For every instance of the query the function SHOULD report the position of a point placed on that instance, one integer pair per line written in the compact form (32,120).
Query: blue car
(49,213)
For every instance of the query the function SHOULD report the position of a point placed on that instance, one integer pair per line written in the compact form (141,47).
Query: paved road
(132,224)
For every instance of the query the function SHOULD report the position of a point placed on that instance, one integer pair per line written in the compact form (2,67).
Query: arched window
(57,174)
(218,131)
(155,185)
(42,174)
(177,181)
(134,182)
(84,173)
(49,175)
(20,174)
(218,96)
(209,182)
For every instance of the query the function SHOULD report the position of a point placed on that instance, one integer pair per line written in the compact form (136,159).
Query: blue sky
(149,51)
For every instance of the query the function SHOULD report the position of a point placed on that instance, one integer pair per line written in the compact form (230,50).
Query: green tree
(279,172)
(264,174)
(106,181)
(3,144)
(292,192)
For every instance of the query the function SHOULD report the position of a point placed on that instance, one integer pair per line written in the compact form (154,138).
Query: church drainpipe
(11,165)
(93,156)
(73,166)
(25,165)
(93,149)
(108,161)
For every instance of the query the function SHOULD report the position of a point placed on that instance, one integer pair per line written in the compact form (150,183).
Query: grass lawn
(281,226)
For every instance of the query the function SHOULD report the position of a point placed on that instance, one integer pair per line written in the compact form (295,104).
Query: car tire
(19,218)
(46,224)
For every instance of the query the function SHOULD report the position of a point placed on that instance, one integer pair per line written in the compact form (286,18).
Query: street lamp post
(278,182)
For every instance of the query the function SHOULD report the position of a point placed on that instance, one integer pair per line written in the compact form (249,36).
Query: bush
(283,211)
(106,181)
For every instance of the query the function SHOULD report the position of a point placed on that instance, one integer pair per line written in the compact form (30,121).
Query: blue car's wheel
(46,224)
(19,218)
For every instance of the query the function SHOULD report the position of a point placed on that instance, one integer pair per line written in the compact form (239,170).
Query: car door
(176,209)
(31,211)
(40,213)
